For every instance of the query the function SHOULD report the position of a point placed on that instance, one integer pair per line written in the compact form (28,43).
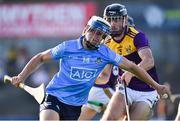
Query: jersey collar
(80,41)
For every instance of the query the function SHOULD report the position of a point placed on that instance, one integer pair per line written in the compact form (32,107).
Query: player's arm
(104,76)
(143,75)
(147,59)
(144,52)
(34,63)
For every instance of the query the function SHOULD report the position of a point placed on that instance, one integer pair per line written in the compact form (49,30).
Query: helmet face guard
(94,37)
(98,29)
(116,13)
(116,30)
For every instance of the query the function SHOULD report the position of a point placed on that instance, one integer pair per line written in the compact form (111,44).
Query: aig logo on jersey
(82,73)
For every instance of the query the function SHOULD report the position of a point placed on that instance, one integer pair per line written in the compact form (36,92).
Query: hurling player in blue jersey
(100,94)
(80,62)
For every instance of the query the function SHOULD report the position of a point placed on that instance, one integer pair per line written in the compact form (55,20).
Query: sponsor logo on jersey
(117,58)
(115,70)
(82,73)
(98,60)
(86,60)
(128,49)
(55,51)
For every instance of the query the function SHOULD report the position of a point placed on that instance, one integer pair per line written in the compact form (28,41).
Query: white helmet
(99,23)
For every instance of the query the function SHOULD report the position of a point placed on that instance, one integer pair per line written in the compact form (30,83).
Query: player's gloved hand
(16,80)
(164,91)
(127,76)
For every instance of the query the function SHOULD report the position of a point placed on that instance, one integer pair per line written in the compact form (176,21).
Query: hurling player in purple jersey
(133,45)
(81,61)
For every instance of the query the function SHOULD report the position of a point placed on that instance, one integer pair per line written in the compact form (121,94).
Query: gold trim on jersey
(126,46)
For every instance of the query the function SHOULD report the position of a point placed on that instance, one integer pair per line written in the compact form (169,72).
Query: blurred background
(31,26)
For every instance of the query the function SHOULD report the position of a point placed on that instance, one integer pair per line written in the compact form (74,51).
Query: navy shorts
(66,112)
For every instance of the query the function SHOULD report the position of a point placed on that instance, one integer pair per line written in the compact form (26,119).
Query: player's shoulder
(104,49)
(70,44)
(133,32)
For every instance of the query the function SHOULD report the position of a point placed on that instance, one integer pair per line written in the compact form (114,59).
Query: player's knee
(110,116)
(48,115)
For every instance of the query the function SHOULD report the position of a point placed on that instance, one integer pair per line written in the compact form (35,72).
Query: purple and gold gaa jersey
(128,46)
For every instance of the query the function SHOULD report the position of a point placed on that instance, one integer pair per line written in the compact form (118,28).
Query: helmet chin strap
(115,34)
(89,45)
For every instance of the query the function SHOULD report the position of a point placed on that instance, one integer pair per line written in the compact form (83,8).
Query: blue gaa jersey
(78,71)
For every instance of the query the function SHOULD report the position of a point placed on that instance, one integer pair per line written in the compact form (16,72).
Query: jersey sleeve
(141,41)
(58,51)
(115,58)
